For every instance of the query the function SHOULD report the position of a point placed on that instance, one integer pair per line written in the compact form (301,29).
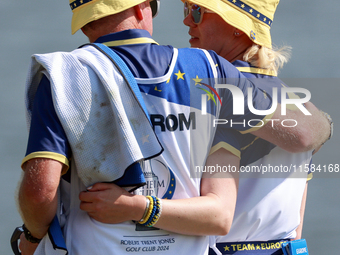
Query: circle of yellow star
(197,80)
(209,97)
(180,75)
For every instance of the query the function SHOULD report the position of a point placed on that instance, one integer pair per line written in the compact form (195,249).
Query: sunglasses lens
(196,13)
(154,7)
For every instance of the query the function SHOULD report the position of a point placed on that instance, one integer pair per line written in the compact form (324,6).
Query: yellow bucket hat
(253,17)
(85,11)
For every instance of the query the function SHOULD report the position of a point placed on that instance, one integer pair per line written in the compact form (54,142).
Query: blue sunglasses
(196,12)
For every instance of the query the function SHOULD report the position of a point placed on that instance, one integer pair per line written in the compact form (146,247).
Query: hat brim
(98,9)
(256,30)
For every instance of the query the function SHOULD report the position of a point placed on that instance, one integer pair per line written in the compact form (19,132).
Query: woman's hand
(108,203)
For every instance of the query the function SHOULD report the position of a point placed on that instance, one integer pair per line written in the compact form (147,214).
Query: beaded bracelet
(157,214)
(153,212)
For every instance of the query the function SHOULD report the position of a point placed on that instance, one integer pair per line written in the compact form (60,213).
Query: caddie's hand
(26,247)
(108,203)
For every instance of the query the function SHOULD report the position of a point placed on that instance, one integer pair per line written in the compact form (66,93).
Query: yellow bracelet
(158,214)
(149,211)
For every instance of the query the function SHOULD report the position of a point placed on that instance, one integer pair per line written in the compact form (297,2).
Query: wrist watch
(29,236)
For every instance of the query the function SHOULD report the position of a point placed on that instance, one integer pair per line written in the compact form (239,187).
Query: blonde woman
(270,207)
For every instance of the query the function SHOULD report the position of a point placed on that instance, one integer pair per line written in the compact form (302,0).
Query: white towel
(105,125)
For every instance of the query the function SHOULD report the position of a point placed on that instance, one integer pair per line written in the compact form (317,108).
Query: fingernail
(89,187)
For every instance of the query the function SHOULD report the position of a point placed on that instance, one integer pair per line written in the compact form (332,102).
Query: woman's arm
(210,214)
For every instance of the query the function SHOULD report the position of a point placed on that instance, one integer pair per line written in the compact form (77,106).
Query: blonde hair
(263,57)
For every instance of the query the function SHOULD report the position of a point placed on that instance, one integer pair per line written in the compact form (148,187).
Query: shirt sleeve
(236,112)
(47,138)
(228,139)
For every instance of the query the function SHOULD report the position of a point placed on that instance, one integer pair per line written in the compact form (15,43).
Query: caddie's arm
(38,194)
(310,132)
